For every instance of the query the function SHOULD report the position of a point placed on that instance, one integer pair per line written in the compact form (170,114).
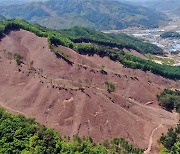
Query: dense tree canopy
(79,35)
(170,100)
(171,141)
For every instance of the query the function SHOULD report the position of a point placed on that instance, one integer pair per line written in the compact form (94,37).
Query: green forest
(93,42)
(171,141)
(21,135)
(170,100)
(79,35)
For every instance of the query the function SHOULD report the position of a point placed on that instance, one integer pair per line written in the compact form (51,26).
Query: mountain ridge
(104,14)
(165,5)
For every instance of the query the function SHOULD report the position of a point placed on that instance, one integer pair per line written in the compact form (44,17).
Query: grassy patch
(18,58)
(166,61)
(60,52)
(110,87)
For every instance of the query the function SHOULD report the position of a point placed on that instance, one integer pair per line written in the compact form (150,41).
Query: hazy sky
(10,2)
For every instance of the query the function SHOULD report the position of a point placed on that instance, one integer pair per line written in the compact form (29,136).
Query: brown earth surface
(73,98)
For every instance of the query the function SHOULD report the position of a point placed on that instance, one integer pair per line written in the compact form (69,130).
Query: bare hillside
(71,96)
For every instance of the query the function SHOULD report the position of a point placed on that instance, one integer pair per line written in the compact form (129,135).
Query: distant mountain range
(96,14)
(2,18)
(165,5)
(177,11)
(172,6)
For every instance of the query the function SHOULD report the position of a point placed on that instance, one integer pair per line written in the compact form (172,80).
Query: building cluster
(171,45)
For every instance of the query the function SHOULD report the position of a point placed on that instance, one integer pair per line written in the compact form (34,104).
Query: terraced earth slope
(69,93)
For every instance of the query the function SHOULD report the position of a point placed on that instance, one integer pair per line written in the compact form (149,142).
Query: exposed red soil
(73,99)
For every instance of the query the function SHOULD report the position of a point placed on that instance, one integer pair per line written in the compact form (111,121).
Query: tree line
(170,100)
(79,35)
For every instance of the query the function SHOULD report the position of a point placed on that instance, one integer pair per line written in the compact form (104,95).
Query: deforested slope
(69,92)
(104,45)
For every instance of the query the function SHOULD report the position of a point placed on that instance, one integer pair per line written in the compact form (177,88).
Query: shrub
(110,87)
(18,58)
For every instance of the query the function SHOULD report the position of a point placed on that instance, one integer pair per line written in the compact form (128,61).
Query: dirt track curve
(12,110)
(151,139)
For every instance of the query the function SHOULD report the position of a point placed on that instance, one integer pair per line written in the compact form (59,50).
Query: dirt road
(151,139)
